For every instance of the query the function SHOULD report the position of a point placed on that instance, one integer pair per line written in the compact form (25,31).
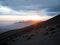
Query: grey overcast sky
(26,7)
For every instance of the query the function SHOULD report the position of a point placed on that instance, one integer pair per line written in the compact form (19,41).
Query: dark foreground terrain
(45,33)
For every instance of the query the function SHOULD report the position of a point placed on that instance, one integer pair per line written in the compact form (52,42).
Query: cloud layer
(21,7)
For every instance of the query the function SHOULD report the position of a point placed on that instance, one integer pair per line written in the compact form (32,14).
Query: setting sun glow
(24,18)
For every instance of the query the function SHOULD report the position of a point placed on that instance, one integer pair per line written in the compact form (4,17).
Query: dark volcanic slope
(41,33)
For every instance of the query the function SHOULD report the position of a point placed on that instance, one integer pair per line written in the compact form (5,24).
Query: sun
(34,17)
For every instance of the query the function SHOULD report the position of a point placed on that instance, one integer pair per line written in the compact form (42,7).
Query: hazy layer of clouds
(51,7)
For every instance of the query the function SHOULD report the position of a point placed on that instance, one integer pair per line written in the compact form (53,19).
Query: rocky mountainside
(44,33)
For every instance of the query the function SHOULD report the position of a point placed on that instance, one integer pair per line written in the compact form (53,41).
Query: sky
(29,8)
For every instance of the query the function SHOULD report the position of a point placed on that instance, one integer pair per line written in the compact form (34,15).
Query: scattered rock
(32,35)
(25,36)
(53,32)
(28,38)
(51,29)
